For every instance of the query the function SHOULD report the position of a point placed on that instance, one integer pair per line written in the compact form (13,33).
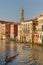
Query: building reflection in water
(32,55)
(36,54)
(2,48)
(11,48)
(7,52)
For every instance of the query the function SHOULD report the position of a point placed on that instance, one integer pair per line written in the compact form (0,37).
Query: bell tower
(22,15)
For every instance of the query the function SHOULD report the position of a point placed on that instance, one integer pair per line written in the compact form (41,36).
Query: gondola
(10,58)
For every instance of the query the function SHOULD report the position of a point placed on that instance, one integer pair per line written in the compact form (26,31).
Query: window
(33,23)
(42,27)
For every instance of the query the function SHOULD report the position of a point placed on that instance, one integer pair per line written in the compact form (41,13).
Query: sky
(10,9)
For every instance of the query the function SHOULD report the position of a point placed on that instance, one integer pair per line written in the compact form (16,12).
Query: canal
(28,54)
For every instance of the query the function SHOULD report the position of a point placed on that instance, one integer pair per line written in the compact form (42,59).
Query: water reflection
(28,54)
(11,48)
(37,55)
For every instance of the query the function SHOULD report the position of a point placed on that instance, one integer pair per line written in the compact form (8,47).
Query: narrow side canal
(28,54)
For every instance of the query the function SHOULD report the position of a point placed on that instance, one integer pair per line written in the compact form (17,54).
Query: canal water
(28,54)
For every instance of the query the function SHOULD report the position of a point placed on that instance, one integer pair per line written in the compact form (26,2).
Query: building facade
(13,30)
(7,32)
(2,29)
(8,29)
(38,32)
(40,28)
(25,31)
(19,31)
(35,31)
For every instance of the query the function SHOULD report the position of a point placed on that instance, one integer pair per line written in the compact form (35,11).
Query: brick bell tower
(22,15)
